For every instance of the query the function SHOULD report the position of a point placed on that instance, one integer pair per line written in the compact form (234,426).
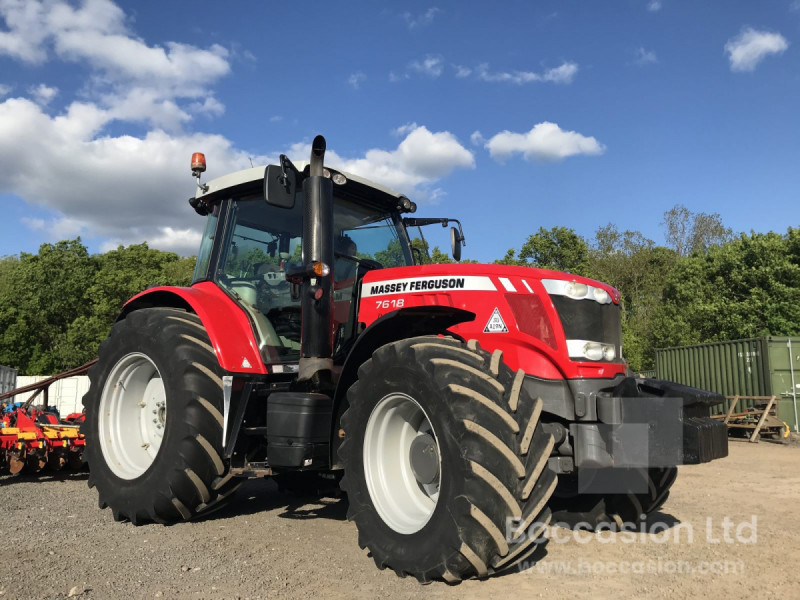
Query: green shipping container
(753,367)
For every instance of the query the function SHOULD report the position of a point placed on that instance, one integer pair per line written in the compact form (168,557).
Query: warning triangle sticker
(496,323)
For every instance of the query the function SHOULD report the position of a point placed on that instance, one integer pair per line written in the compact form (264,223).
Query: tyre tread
(504,455)
(200,477)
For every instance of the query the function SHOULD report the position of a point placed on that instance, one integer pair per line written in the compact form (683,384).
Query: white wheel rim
(132,416)
(403,503)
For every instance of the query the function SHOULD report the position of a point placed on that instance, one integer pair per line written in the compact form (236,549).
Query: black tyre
(445,462)
(154,420)
(615,511)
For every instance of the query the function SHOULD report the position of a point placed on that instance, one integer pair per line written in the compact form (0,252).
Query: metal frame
(768,416)
(44,384)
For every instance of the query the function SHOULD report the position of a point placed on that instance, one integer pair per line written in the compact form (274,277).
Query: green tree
(57,305)
(126,271)
(745,288)
(7,266)
(45,292)
(558,248)
(688,232)
(637,268)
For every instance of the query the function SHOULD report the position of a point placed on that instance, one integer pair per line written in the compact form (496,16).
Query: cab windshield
(259,242)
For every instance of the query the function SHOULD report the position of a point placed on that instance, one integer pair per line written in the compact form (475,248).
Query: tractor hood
(476,277)
(554,324)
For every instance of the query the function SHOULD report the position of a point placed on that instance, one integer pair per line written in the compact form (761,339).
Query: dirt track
(55,540)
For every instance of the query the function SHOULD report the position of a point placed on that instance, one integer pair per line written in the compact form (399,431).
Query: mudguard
(227,324)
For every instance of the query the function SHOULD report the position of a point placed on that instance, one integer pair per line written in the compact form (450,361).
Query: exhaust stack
(316,337)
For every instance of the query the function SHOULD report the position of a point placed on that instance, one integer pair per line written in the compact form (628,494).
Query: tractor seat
(247,293)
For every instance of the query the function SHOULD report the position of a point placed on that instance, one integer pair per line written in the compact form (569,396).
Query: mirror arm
(286,164)
(419,222)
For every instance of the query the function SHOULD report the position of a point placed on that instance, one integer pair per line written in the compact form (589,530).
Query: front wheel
(445,462)
(153,420)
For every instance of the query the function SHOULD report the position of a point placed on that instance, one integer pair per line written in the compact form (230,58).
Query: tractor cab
(249,246)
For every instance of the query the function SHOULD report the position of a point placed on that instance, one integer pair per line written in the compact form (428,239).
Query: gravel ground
(57,544)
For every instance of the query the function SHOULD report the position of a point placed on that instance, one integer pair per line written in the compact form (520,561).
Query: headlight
(576,290)
(593,351)
(601,295)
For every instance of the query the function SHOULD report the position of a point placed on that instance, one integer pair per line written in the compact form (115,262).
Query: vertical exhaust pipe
(316,336)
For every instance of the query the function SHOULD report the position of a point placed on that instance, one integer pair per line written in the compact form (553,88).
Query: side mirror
(455,243)
(280,184)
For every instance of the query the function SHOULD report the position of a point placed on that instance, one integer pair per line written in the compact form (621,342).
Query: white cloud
(795,5)
(462,71)
(404,130)
(96,33)
(133,80)
(43,94)
(276,118)
(123,188)
(182,241)
(145,104)
(210,107)
(421,159)
(5,90)
(751,46)
(422,20)
(436,195)
(25,35)
(57,228)
(127,189)
(477,139)
(645,57)
(564,73)
(432,66)
(33,223)
(545,142)
(654,5)
(66,227)
(356,78)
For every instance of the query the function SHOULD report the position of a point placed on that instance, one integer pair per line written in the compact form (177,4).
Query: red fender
(225,321)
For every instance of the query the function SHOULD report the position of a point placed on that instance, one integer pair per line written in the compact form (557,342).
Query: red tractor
(460,406)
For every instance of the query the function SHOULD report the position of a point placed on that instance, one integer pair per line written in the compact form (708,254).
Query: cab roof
(249,176)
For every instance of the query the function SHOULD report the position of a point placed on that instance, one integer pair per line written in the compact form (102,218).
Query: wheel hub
(424,459)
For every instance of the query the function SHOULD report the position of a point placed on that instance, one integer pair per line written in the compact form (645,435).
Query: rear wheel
(615,511)
(445,462)
(153,420)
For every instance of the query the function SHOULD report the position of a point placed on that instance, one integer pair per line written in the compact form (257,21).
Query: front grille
(591,321)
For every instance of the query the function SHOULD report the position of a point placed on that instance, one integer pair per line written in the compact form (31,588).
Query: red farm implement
(34,438)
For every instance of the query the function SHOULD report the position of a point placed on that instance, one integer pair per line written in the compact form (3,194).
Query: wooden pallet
(761,418)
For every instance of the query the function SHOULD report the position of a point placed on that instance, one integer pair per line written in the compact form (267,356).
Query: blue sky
(507,115)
